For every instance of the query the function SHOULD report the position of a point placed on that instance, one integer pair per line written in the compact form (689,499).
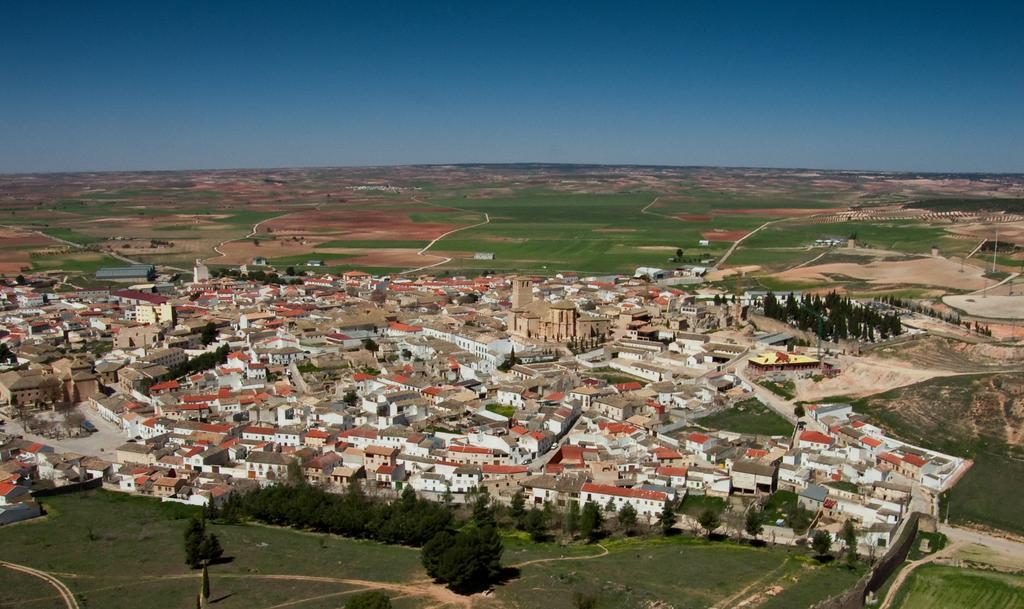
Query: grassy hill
(977,416)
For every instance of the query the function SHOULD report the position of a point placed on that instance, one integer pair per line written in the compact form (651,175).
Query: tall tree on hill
(850,539)
(627,517)
(667,518)
(753,525)
(709,521)
(517,508)
(821,542)
(591,521)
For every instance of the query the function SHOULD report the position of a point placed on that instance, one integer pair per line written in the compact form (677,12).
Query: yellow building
(154,314)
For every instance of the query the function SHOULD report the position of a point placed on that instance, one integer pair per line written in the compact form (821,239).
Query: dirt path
(65,593)
(737,242)
(419,589)
(909,568)
(252,233)
(733,601)
(604,552)
(445,259)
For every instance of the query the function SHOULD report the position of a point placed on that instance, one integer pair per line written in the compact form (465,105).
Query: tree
(799,519)
(371,345)
(591,521)
(483,512)
(753,525)
(571,522)
(850,539)
(679,253)
(667,518)
(536,524)
(350,398)
(799,410)
(467,560)
(194,535)
(610,506)
(373,599)
(209,333)
(210,549)
(290,271)
(709,521)
(294,473)
(627,517)
(517,509)
(206,583)
(20,280)
(821,542)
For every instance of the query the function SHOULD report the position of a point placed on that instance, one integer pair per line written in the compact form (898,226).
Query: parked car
(88,426)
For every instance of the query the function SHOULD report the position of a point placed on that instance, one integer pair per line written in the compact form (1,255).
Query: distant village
(569,389)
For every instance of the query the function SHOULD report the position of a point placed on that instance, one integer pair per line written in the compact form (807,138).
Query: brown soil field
(939,272)
(863,376)
(396,257)
(724,235)
(989,306)
(13,267)
(361,224)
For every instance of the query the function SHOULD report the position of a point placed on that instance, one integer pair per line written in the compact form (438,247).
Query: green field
(118,551)
(940,587)
(749,416)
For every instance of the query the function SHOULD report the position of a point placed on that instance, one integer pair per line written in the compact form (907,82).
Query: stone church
(541,321)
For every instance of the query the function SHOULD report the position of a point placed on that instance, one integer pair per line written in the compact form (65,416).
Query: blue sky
(175,85)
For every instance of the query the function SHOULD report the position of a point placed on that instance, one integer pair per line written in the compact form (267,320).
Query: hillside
(977,416)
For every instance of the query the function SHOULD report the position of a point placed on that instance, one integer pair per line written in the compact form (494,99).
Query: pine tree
(572,519)
(627,517)
(194,536)
(591,521)
(850,539)
(753,525)
(517,509)
(667,519)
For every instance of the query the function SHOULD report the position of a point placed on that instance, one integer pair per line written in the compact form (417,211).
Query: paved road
(65,594)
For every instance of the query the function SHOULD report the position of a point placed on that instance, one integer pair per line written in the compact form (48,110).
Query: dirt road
(65,593)
(445,259)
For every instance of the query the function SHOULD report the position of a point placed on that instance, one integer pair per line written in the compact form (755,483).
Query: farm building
(314,263)
(778,361)
(483,256)
(260,261)
(654,273)
(135,272)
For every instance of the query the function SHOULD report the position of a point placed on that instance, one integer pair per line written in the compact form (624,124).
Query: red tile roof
(618,491)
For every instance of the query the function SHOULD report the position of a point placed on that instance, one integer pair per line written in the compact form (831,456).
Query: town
(565,390)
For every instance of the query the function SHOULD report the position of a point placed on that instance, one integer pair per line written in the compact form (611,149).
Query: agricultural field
(119,551)
(538,219)
(941,587)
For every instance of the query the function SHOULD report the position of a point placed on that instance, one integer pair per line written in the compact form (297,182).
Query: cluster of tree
(721,300)
(510,361)
(591,522)
(209,333)
(584,344)
(834,317)
(199,363)
(468,559)
(201,548)
(372,599)
(408,521)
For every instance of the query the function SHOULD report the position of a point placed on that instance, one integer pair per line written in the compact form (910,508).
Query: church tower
(522,292)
